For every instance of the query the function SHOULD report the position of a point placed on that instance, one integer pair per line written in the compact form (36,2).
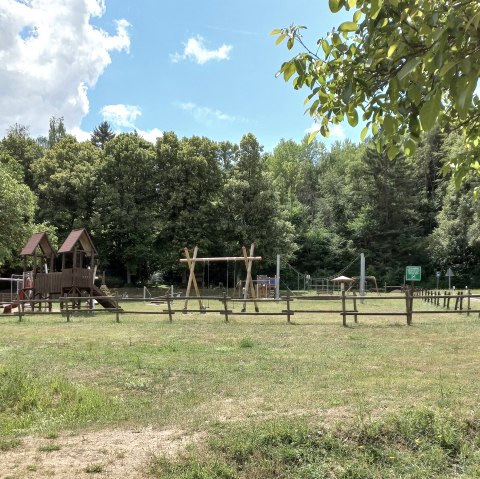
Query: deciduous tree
(17,206)
(400,66)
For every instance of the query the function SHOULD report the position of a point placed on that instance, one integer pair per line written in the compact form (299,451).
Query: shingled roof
(75,236)
(38,239)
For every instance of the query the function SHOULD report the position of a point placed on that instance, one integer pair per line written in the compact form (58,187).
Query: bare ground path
(106,454)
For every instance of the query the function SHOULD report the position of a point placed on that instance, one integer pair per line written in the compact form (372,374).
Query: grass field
(267,399)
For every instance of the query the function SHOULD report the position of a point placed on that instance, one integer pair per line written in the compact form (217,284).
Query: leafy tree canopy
(404,65)
(17,207)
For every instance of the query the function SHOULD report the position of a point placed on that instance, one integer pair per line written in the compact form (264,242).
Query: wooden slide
(100,296)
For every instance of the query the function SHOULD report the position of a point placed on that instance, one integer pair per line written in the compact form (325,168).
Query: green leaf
(352,118)
(335,5)
(415,94)
(408,67)
(288,71)
(276,31)
(391,50)
(446,68)
(364,132)
(326,47)
(389,125)
(352,3)
(312,136)
(430,110)
(410,147)
(280,39)
(392,152)
(348,27)
(376,6)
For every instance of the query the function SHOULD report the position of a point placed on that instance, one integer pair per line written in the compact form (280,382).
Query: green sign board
(413,273)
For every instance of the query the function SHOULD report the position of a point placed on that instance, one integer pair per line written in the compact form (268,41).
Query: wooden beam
(248,280)
(222,259)
(191,278)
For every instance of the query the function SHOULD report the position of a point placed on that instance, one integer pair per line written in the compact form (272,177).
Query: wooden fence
(346,305)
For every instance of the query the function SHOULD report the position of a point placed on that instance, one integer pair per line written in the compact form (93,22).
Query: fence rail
(461,302)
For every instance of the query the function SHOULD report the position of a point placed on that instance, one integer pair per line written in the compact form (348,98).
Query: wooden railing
(344,305)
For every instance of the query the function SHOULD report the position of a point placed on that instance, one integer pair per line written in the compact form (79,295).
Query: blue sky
(196,68)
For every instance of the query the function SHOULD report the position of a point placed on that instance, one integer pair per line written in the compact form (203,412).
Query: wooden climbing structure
(76,277)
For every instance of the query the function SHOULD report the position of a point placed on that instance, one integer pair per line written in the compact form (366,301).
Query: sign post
(413,273)
(449,275)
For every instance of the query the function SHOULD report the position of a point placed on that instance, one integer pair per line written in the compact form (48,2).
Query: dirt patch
(110,454)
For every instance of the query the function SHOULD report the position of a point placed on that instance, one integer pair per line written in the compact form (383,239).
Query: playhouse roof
(75,236)
(38,239)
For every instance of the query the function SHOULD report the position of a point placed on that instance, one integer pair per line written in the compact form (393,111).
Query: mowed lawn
(198,370)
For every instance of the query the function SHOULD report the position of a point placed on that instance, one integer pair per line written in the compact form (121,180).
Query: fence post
(67,311)
(225,307)
(444,298)
(461,300)
(411,309)
(169,306)
(288,306)
(407,305)
(355,306)
(344,309)
(456,301)
(468,302)
(117,313)
(20,310)
(448,299)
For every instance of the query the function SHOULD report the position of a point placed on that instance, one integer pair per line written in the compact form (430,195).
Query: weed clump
(246,343)
(30,402)
(415,443)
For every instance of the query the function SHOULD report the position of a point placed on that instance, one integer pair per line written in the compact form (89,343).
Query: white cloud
(79,134)
(50,54)
(151,135)
(121,115)
(337,132)
(314,127)
(205,115)
(195,50)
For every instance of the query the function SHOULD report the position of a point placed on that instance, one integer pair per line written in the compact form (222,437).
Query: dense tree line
(318,208)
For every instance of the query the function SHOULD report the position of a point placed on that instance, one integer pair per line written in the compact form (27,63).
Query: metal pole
(277,280)
(362,277)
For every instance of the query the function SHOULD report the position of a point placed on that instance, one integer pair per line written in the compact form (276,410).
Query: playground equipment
(265,286)
(77,275)
(356,282)
(246,259)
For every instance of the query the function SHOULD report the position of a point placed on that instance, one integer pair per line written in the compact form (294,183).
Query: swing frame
(246,259)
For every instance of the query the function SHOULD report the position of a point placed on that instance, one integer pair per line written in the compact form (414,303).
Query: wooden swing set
(248,260)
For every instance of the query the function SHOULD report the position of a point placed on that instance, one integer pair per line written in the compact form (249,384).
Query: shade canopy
(343,279)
